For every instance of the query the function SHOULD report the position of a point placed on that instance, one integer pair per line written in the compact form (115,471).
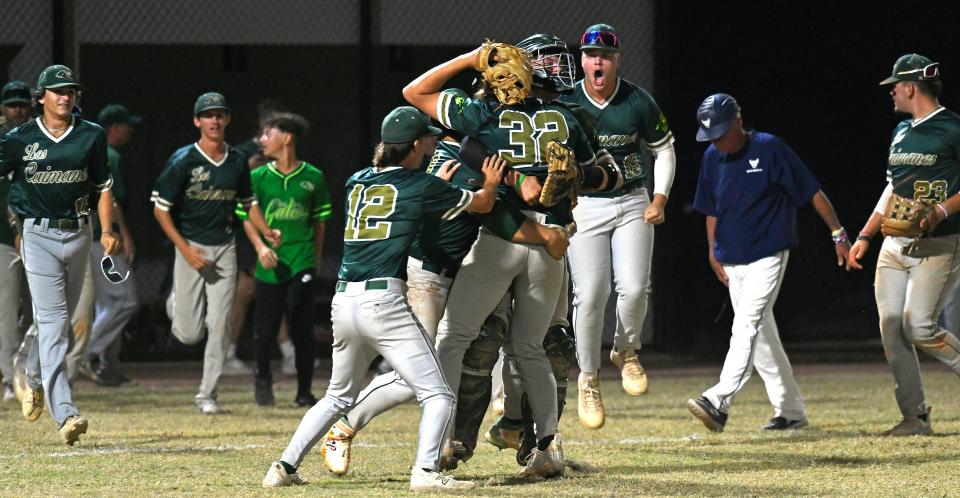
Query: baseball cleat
(454,453)
(305,400)
(32,404)
(263,392)
(72,428)
(206,405)
(711,417)
(785,424)
(335,448)
(546,464)
(503,436)
(8,393)
(428,480)
(277,476)
(912,426)
(20,386)
(634,377)
(589,401)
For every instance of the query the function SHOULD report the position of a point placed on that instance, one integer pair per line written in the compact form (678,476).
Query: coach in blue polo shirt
(750,186)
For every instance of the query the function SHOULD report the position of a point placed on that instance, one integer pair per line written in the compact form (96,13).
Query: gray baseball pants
(10,271)
(115,304)
(55,261)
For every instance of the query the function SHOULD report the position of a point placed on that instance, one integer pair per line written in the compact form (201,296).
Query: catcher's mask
(553,64)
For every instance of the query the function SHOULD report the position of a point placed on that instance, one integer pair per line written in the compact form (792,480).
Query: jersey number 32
(366,209)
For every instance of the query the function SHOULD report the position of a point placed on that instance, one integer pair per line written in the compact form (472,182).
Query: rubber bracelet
(943,209)
(520,180)
(837,232)
(865,238)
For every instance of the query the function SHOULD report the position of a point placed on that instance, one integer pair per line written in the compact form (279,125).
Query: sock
(512,423)
(543,443)
(232,351)
(290,469)
(286,349)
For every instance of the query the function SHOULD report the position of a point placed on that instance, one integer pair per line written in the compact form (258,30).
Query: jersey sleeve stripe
(443,106)
(103,187)
(455,211)
(661,144)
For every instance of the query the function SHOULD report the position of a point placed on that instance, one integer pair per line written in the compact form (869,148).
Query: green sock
(511,423)
(290,469)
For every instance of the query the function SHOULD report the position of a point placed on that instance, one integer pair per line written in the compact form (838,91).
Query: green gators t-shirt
(54,177)
(629,119)
(291,203)
(201,195)
(924,161)
(385,210)
(519,134)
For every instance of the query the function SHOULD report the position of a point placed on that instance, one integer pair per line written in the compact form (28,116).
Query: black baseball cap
(715,115)
(913,67)
(57,76)
(116,113)
(208,101)
(601,37)
(406,124)
(15,92)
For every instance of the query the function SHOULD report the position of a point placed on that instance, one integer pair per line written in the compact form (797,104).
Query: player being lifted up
(195,198)
(521,130)
(386,205)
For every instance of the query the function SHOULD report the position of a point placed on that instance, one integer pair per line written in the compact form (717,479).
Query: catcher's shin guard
(476,381)
(561,347)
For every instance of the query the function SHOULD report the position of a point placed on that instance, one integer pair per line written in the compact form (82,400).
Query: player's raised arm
(424,92)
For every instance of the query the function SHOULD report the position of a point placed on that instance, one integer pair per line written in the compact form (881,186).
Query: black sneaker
(263,392)
(711,417)
(305,400)
(783,424)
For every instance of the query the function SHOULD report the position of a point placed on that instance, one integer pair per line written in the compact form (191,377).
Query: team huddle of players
(457,263)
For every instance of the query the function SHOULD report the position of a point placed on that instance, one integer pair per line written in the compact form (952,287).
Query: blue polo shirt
(754,194)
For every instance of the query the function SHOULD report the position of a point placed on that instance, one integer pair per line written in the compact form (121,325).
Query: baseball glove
(903,216)
(507,70)
(563,175)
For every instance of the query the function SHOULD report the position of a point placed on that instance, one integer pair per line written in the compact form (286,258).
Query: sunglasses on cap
(930,71)
(601,38)
(108,266)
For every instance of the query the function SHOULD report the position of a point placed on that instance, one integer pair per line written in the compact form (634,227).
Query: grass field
(149,440)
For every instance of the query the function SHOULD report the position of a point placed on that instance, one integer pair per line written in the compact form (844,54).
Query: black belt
(63,224)
(376,284)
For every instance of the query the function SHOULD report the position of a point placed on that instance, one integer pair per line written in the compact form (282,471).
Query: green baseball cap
(116,113)
(600,36)
(406,124)
(57,76)
(15,92)
(913,67)
(208,101)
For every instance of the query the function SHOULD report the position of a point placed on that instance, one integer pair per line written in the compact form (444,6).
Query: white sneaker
(289,366)
(426,480)
(207,405)
(589,402)
(277,476)
(335,448)
(545,464)
(634,376)
(233,366)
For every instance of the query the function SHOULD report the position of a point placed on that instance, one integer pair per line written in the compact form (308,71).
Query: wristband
(943,209)
(839,235)
(865,238)
(520,180)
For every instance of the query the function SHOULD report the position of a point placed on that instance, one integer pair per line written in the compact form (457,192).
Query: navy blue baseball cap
(715,115)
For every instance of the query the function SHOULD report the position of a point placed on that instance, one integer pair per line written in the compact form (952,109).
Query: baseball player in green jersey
(195,198)
(914,275)
(520,133)
(386,204)
(58,161)
(295,201)
(115,300)
(615,229)
(435,258)
(15,107)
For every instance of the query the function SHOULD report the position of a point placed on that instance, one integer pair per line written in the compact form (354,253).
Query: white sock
(232,351)
(286,348)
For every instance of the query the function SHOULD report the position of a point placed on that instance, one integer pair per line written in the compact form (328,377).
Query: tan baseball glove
(563,175)
(903,215)
(507,70)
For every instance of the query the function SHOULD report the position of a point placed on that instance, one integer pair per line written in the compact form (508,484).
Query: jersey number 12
(366,209)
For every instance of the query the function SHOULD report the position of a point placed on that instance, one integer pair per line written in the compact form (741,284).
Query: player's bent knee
(484,351)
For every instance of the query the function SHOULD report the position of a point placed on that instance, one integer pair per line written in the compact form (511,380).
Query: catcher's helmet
(553,67)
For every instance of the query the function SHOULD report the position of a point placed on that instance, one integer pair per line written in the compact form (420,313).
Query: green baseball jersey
(446,242)
(291,203)
(202,195)
(924,161)
(628,120)
(385,210)
(54,177)
(6,231)
(520,134)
